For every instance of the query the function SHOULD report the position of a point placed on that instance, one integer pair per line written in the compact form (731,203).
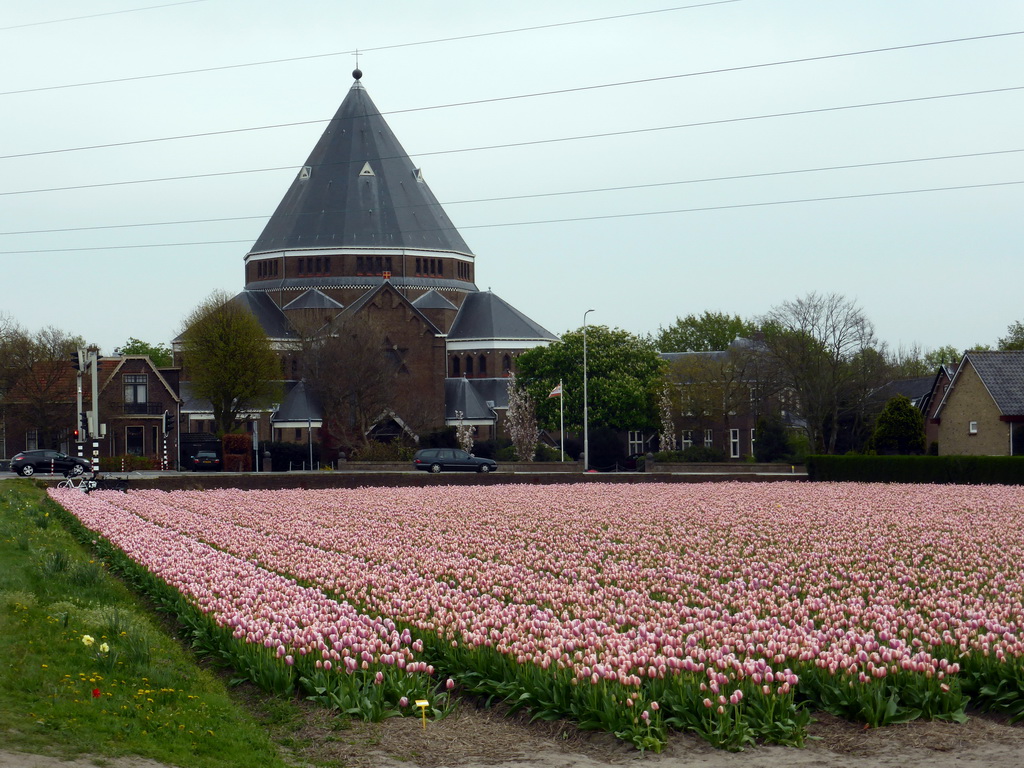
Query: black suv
(28,463)
(447,459)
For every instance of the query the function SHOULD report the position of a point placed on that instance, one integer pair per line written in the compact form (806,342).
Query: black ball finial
(357,73)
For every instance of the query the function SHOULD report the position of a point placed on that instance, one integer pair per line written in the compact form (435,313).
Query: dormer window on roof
(367,170)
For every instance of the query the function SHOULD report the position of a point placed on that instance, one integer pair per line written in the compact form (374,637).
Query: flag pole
(561,418)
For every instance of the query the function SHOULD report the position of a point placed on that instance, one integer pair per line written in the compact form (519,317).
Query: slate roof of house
(432,299)
(915,390)
(485,316)
(359,188)
(314,299)
(1003,376)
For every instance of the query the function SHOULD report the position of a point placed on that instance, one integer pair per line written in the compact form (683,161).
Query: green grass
(132,690)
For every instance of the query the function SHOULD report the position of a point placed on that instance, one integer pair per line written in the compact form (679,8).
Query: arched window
(455,367)
(506,365)
(483,365)
(469,366)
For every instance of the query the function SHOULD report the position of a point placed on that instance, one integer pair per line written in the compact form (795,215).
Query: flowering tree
(521,421)
(464,433)
(668,427)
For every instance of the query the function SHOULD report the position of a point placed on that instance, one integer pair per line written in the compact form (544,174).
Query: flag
(556,392)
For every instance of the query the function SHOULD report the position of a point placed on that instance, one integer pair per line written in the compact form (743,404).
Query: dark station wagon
(451,459)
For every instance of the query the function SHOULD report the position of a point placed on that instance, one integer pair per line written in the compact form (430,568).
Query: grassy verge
(85,669)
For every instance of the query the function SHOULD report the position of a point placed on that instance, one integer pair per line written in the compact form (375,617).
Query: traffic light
(77,440)
(76,361)
(82,433)
(168,422)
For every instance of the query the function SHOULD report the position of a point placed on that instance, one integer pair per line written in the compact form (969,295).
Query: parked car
(28,463)
(206,461)
(451,459)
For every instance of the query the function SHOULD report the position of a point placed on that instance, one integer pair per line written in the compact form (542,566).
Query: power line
(563,193)
(516,97)
(364,50)
(703,209)
(97,15)
(537,142)
(747,205)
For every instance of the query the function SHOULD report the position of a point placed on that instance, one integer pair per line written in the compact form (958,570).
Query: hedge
(962,470)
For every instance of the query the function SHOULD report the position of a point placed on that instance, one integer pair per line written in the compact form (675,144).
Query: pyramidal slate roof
(314,299)
(300,407)
(461,396)
(359,188)
(485,316)
(269,315)
(432,299)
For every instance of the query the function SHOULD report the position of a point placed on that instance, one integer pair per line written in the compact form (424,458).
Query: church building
(359,236)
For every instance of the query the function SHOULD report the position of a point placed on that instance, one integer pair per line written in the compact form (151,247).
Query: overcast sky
(719,214)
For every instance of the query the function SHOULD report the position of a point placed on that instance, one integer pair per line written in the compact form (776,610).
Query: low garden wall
(721,468)
(505,467)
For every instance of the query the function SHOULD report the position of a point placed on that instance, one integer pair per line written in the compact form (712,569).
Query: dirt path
(471,738)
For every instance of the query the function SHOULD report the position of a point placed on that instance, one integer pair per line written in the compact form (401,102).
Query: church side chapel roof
(359,188)
(269,315)
(314,299)
(462,395)
(300,408)
(433,300)
(485,316)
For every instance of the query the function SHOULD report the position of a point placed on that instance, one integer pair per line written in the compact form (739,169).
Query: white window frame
(972,427)
(709,438)
(635,442)
(687,438)
(734,443)
(753,439)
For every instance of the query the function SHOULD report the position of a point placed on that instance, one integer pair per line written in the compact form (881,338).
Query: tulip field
(731,610)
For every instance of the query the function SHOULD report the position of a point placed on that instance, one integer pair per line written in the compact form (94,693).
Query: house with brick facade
(134,396)
(982,409)
(359,237)
(929,404)
(716,398)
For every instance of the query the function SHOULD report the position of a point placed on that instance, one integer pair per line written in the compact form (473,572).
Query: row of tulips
(277,633)
(709,602)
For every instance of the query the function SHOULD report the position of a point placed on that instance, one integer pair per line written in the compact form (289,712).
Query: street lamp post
(586,435)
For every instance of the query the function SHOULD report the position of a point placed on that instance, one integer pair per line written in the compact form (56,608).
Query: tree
(521,421)
(1014,338)
(160,354)
(37,382)
(771,442)
(947,355)
(667,437)
(711,332)
(353,372)
(229,360)
(623,379)
(899,428)
(825,349)
(464,433)
(912,363)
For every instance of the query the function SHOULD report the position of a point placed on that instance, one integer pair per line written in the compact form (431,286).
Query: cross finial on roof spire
(357,73)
